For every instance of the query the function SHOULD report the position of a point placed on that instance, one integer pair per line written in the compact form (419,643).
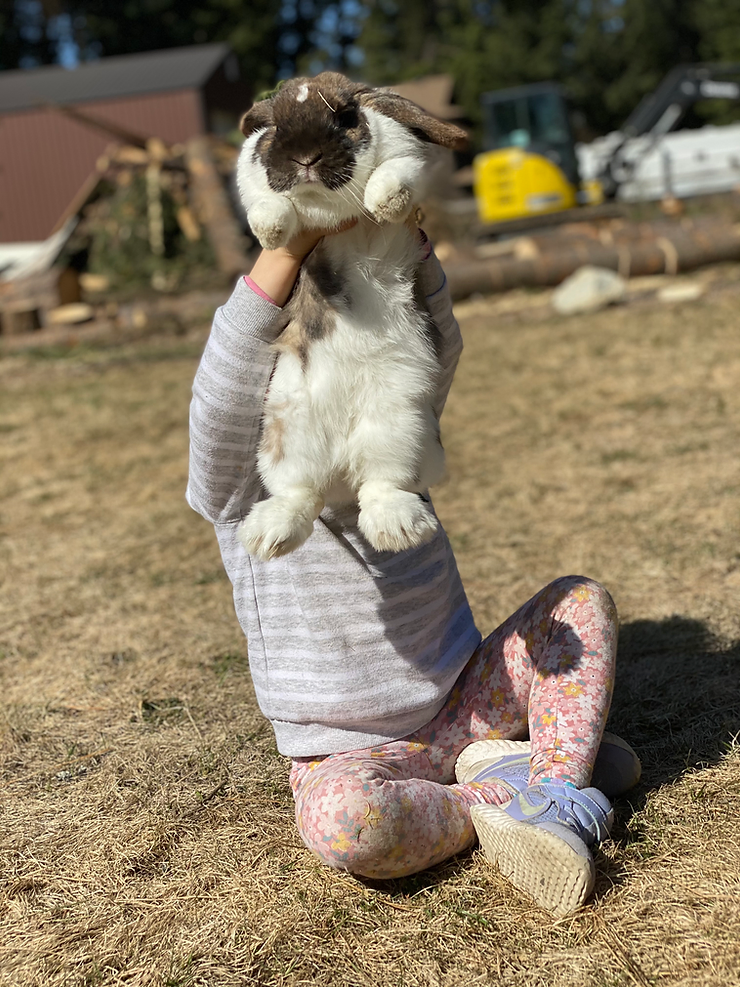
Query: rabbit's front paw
(396,520)
(388,201)
(274,223)
(277,526)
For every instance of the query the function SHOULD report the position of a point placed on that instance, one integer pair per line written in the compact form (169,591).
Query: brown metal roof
(111,78)
(46,157)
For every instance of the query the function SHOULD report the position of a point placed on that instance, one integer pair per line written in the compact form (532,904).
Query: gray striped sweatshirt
(348,647)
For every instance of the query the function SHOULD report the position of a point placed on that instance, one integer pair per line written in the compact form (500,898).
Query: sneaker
(540,840)
(506,762)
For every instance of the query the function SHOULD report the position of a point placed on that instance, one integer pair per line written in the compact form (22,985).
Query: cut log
(214,209)
(70,315)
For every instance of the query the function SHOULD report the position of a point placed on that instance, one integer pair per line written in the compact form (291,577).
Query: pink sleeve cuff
(258,291)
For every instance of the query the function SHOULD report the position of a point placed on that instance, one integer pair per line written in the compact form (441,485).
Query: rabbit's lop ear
(259,116)
(418,121)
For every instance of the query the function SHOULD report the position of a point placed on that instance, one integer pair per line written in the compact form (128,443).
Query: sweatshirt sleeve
(226,409)
(434,286)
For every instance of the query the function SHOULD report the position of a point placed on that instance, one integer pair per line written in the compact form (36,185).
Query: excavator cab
(528,165)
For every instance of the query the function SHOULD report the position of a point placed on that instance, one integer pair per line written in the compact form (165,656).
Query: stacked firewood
(183,198)
(149,216)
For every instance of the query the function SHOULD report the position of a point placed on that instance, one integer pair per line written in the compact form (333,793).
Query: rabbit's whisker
(352,196)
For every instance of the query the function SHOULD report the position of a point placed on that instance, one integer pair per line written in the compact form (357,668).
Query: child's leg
(382,812)
(548,670)
(391,811)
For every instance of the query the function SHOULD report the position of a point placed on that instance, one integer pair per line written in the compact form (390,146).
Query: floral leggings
(548,671)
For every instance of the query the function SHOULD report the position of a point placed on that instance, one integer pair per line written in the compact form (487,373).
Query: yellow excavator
(529,166)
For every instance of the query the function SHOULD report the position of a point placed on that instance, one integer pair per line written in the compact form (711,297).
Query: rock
(689,291)
(588,289)
(68,315)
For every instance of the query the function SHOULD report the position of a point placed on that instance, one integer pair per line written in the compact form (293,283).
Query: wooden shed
(47,151)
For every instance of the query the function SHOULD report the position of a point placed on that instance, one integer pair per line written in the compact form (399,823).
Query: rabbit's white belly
(359,411)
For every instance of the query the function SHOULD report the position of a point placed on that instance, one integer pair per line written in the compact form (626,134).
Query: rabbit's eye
(347,118)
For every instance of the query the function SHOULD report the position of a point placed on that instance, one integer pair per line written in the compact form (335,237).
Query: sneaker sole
(537,862)
(480,753)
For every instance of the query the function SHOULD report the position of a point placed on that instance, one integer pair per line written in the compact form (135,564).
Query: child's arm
(231,384)
(433,283)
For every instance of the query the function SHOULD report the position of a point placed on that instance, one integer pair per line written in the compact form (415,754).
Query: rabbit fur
(349,414)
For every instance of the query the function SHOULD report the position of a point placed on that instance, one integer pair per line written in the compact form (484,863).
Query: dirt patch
(147,832)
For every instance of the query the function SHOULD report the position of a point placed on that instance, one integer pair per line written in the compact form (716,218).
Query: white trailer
(652,166)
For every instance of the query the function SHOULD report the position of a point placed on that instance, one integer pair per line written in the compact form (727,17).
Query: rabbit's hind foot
(279,525)
(395,520)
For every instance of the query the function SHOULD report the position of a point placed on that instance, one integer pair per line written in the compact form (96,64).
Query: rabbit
(348,416)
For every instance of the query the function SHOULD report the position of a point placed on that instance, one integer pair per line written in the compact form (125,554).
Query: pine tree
(251,27)
(26,33)
(404,39)
(718,25)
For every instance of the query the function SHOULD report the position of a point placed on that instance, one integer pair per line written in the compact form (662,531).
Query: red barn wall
(45,157)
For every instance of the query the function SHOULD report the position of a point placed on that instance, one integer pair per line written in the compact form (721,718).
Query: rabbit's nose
(308,164)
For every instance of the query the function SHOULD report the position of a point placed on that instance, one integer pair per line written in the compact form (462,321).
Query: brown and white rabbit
(349,412)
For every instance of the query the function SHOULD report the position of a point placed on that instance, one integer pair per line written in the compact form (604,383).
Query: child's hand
(304,242)
(275,271)
(418,232)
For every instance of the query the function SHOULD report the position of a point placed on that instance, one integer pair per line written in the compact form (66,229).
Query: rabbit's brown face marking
(315,131)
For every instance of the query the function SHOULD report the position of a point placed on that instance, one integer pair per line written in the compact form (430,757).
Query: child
(370,667)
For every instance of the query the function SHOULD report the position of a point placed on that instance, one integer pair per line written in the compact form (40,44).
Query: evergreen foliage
(115,234)
(27,35)
(607,53)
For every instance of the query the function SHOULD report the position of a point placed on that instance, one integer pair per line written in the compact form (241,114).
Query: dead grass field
(146,819)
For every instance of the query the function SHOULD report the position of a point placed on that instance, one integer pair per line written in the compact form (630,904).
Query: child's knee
(579,590)
(358,828)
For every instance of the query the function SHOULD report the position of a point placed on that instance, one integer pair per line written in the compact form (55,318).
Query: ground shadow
(677,696)
(676,701)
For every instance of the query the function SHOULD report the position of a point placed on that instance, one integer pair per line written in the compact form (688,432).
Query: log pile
(186,194)
(26,303)
(631,249)
(149,216)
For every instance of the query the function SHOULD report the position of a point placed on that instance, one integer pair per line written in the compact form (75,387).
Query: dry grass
(147,833)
